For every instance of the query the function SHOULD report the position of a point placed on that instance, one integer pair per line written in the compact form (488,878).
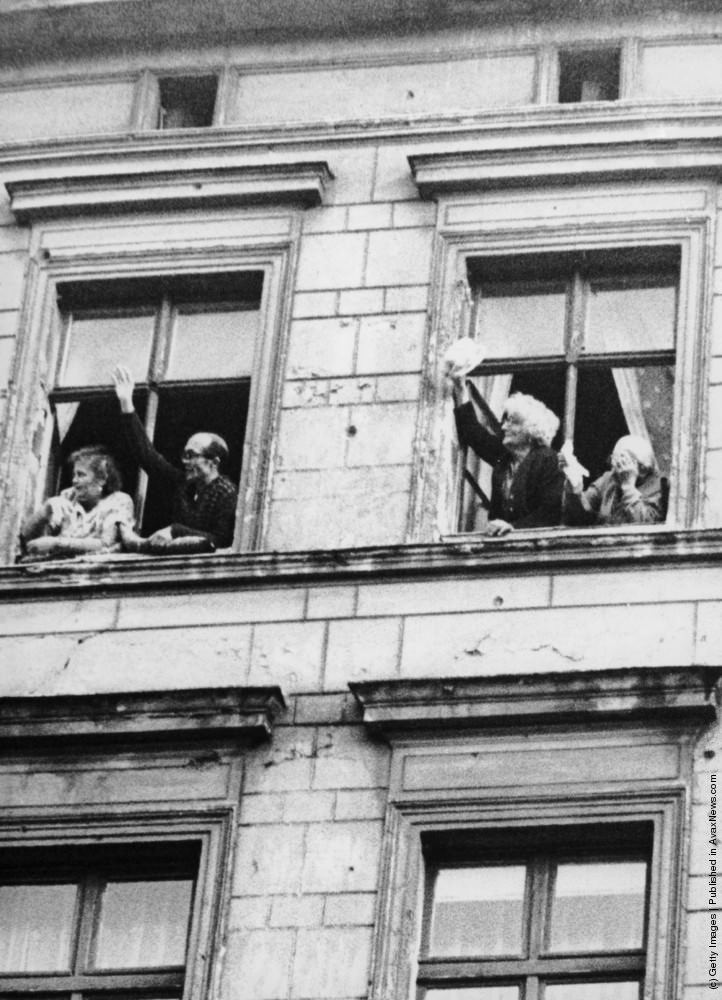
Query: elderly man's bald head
(203,457)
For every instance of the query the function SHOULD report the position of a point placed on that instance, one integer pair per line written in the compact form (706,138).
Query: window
(104,921)
(592,335)
(588,75)
(186,101)
(190,344)
(533,846)
(560,915)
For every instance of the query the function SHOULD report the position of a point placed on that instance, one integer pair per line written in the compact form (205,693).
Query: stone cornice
(611,150)
(522,553)
(686,695)
(493,131)
(46,190)
(238,713)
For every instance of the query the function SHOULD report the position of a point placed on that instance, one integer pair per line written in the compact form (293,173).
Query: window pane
(598,907)
(144,924)
(97,344)
(631,319)
(475,993)
(478,911)
(213,344)
(518,322)
(593,991)
(36,927)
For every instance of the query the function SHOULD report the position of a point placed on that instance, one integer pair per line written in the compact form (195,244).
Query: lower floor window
(560,915)
(96,922)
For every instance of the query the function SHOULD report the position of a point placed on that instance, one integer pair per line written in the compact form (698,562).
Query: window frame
(536,961)
(502,223)
(211,834)
(162,310)
(493,755)
(575,278)
(67,252)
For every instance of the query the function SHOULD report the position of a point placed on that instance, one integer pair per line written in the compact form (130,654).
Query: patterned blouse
(99,522)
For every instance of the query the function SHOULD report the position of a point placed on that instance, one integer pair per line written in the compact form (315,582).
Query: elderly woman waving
(526,483)
(83,518)
(629,493)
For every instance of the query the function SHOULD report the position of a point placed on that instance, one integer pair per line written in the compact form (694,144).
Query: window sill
(527,552)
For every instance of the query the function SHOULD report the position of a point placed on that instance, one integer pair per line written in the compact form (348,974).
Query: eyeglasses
(189,454)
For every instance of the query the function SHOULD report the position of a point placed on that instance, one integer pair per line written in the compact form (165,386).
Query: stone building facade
(318,758)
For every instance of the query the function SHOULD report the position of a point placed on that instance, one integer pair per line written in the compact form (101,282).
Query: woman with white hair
(629,493)
(526,482)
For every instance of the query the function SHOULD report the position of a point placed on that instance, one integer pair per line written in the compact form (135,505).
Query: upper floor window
(189,343)
(186,101)
(592,335)
(94,922)
(589,75)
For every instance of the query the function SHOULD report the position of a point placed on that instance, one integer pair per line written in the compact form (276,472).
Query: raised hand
(124,386)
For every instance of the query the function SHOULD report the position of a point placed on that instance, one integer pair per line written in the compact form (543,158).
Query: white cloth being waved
(69,519)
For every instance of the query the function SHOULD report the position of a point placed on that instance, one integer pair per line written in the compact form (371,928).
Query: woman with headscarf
(629,493)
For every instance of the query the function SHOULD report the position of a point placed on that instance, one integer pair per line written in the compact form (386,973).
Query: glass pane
(478,911)
(213,344)
(518,322)
(475,993)
(593,991)
(144,924)
(631,319)
(598,907)
(36,927)
(96,344)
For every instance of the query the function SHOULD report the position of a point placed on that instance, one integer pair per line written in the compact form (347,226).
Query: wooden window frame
(497,758)
(162,307)
(70,254)
(504,223)
(209,833)
(537,964)
(576,276)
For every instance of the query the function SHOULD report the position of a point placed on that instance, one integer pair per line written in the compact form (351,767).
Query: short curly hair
(101,463)
(537,419)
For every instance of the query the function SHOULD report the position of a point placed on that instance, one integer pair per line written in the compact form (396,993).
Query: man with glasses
(203,500)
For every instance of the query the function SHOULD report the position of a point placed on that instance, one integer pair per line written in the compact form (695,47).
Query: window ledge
(240,713)
(653,695)
(522,552)
(48,190)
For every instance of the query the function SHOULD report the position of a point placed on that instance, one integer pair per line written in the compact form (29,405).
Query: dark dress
(207,512)
(534,495)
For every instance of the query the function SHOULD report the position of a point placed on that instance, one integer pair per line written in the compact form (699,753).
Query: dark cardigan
(535,496)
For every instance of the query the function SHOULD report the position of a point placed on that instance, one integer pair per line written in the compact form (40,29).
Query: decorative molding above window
(48,192)
(233,712)
(564,154)
(653,695)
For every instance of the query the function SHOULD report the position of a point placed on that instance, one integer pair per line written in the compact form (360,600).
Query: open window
(86,921)
(592,335)
(190,344)
(186,101)
(589,75)
(558,913)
